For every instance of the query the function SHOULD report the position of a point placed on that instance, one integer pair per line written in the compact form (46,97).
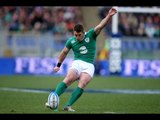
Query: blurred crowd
(60,20)
(135,24)
(55,20)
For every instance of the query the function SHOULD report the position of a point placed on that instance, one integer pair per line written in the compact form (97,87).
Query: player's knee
(68,80)
(82,84)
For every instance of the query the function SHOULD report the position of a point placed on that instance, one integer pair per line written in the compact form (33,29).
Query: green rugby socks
(75,95)
(61,88)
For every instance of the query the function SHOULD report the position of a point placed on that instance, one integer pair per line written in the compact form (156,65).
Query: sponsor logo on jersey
(83,50)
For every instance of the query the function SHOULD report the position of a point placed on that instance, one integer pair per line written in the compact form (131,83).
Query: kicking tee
(86,49)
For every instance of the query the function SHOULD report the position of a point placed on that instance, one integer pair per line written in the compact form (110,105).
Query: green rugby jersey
(86,49)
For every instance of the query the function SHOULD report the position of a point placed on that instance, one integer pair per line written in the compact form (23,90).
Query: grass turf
(24,102)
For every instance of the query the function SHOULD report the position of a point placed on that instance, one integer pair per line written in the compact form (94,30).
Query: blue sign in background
(7,66)
(44,66)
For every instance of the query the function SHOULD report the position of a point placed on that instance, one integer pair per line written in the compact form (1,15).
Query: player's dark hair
(78,28)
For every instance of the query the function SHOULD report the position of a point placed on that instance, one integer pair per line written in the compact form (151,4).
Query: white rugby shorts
(82,66)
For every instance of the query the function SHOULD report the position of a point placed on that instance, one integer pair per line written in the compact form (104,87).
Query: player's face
(79,35)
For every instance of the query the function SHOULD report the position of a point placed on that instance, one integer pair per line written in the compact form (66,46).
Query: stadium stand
(140,33)
(27,28)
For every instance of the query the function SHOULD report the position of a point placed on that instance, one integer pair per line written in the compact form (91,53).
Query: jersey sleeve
(68,44)
(92,32)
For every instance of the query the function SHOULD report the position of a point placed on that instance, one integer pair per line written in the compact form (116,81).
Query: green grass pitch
(13,102)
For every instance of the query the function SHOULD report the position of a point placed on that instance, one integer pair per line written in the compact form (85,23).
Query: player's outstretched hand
(56,69)
(112,11)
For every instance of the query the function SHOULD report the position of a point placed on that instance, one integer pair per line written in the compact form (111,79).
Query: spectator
(40,19)
(136,24)
(149,27)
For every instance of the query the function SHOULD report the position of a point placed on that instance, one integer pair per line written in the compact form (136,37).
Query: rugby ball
(53,100)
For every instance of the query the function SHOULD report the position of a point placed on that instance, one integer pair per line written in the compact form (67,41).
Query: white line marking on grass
(22,90)
(110,112)
(124,91)
(120,91)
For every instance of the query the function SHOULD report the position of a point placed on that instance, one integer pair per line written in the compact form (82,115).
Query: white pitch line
(116,91)
(22,90)
(125,91)
(110,112)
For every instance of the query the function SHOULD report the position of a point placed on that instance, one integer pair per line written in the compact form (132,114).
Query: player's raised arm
(105,20)
(62,56)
